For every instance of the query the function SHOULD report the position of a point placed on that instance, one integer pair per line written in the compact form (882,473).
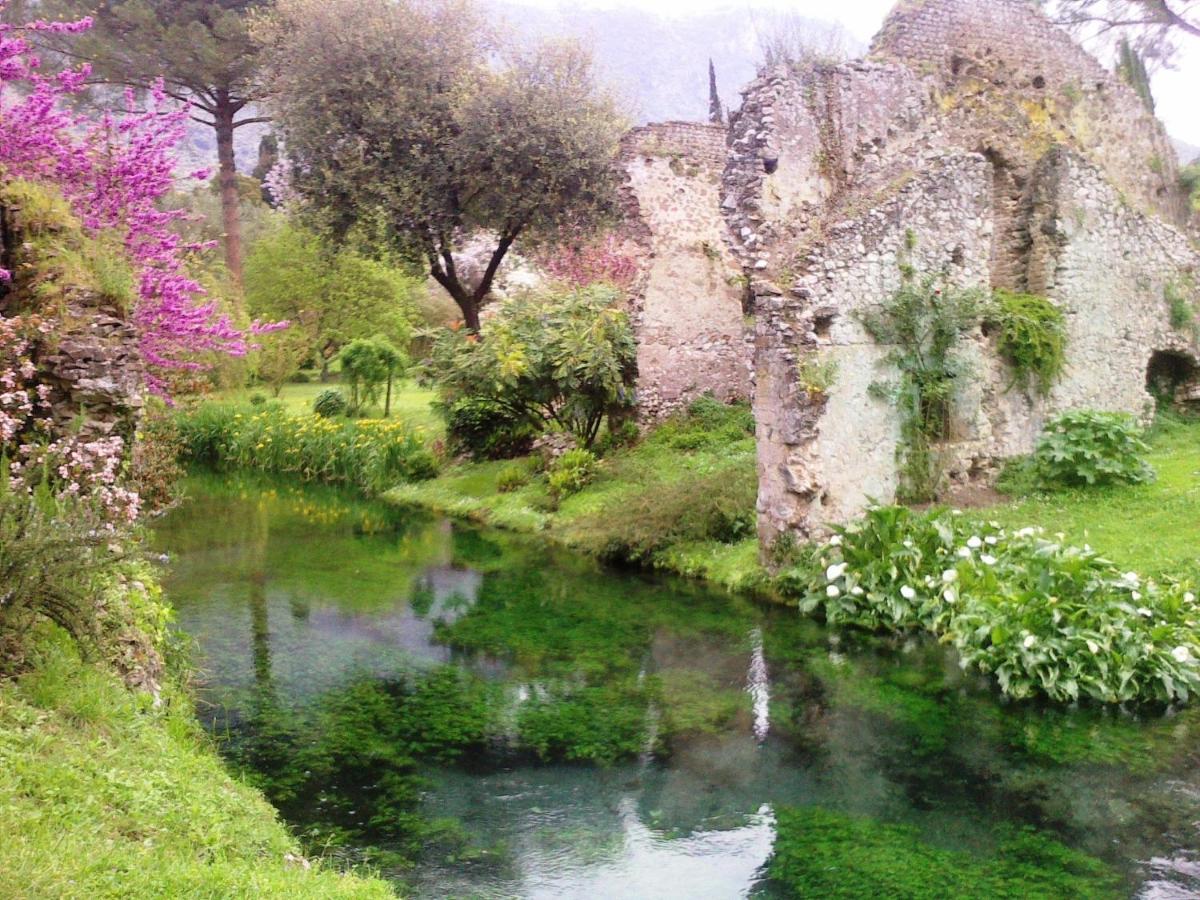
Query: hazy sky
(1174,90)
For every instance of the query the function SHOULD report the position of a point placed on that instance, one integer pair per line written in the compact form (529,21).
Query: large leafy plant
(1043,617)
(1086,447)
(554,361)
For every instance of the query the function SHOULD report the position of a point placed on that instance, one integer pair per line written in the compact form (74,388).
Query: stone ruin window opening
(1039,82)
(1167,372)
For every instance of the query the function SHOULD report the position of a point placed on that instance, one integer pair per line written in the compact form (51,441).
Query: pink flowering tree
(114,171)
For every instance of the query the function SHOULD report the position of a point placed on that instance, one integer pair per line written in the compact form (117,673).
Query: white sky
(1174,90)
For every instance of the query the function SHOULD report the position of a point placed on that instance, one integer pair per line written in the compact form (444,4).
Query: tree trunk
(230,216)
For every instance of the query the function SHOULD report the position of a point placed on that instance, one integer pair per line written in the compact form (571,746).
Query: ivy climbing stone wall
(979,143)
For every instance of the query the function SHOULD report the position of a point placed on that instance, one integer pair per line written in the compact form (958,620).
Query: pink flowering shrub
(114,171)
(580,264)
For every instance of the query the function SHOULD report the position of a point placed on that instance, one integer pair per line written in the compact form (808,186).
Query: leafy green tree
(553,361)
(331,295)
(204,54)
(408,118)
(368,364)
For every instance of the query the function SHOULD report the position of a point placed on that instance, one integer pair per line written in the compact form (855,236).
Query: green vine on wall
(922,324)
(1032,339)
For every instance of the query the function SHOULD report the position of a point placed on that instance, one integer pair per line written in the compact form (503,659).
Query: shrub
(154,470)
(513,477)
(1181,313)
(329,404)
(550,362)
(571,473)
(484,429)
(1032,337)
(1041,616)
(258,399)
(707,423)
(1086,447)
(711,506)
(369,454)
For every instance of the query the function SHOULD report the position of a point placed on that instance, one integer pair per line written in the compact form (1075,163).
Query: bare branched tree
(791,40)
(1154,28)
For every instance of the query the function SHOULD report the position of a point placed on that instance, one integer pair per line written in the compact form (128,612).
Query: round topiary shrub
(329,404)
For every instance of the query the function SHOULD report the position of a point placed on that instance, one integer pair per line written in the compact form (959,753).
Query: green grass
(410,401)
(1152,528)
(103,796)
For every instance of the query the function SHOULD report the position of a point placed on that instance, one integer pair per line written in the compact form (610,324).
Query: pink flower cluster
(114,171)
(70,467)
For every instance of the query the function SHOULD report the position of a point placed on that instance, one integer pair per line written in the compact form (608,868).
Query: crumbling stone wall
(687,301)
(89,365)
(1016,161)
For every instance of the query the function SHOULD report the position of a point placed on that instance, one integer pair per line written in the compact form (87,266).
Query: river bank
(477,713)
(105,794)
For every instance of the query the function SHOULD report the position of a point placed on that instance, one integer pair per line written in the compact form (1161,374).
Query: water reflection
(560,731)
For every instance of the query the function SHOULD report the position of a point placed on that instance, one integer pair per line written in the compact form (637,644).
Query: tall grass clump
(368,454)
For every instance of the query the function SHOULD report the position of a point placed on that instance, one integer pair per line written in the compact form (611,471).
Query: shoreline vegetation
(1079,605)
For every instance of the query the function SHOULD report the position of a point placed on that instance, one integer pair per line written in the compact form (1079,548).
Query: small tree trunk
(387,400)
(470,311)
(230,215)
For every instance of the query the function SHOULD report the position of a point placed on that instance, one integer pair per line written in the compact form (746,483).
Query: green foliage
(331,295)
(707,424)
(1086,447)
(1032,338)
(257,399)
(921,326)
(470,133)
(1131,68)
(330,403)
(56,560)
(816,375)
(1189,182)
(1042,616)
(513,476)
(368,364)
(553,362)
(571,473)
(485,429)
(716,506)
(105,795)
(369,454)
(1181,312)
(819,853)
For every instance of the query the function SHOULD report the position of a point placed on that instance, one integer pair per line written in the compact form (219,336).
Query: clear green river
(474,714)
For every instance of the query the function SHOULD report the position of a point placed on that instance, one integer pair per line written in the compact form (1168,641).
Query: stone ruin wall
(1016,162)
(91,366)
(687,309)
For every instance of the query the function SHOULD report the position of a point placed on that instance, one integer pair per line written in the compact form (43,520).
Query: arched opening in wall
(1173,378)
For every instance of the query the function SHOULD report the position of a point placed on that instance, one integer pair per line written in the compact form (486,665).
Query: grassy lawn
(103,796)
(410,401)
(1151,528)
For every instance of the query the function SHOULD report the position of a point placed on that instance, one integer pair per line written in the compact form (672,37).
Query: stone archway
(1173,377)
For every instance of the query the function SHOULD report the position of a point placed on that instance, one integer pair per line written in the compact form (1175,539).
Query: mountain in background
(1187,152)
(659,65)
